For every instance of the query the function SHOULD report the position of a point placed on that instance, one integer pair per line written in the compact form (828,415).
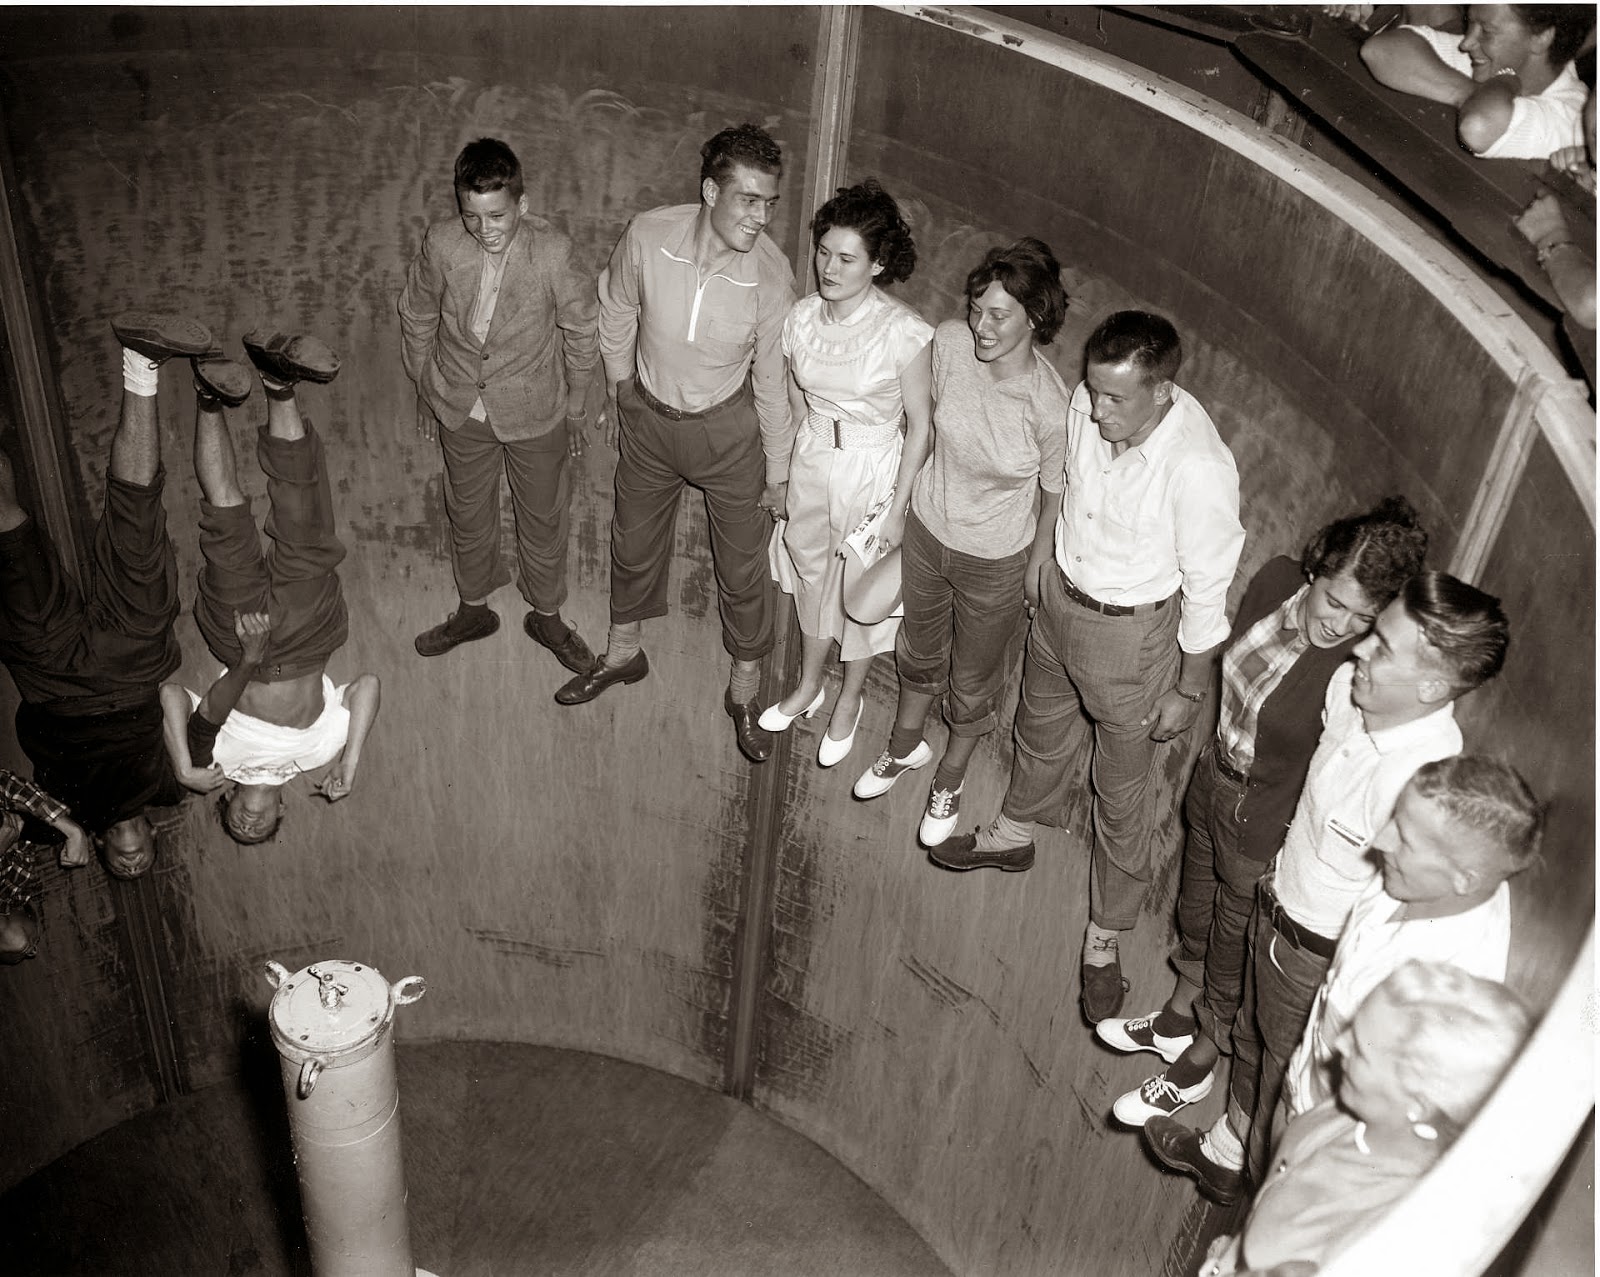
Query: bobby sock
(903,740)
(1169,1024)
(1186,1072)
(1222,1146)
(1099,946)
(623,641)
(943,779)
(140,374)
(744,682)
(1006,834)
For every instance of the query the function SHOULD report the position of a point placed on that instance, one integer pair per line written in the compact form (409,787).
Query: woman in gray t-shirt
(982,513)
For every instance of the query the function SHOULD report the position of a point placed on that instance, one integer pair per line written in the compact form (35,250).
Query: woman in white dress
(860,388)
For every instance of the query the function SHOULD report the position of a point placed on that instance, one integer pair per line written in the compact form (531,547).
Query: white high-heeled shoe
(830,751)
(774,719)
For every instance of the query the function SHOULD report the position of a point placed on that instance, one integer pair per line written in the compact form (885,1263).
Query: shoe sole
(161,336)
(228,380)
(303,358)
(454,643)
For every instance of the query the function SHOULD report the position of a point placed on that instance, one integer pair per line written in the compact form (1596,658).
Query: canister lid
(335,1010)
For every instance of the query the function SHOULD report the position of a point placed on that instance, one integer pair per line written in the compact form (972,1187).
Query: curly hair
(1149,342)
(746,144)
(1381,549)
(1569,23)
(488,165)
(870,211)
(1465,627)
(1028,270)
(1488,798)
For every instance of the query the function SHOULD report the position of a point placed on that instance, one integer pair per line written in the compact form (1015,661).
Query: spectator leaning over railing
(1510,78)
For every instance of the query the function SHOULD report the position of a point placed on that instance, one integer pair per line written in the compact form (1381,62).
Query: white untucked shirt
(255,752)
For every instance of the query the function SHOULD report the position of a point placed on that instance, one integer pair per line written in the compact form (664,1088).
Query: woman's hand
(891,530)
(1542,221)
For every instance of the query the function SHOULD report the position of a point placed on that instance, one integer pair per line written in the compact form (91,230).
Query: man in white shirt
(1384,718)
(1131,620)
(1510,78)
(1461,829)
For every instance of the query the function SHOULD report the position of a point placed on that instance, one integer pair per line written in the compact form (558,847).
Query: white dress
(846,453)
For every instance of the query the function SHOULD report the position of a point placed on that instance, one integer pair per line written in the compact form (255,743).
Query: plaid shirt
(17,879)
(1252,668)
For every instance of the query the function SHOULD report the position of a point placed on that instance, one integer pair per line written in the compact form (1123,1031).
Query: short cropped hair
(1570,24)
(1465,627)
(225,814)
(1147,341)
(1464,1033)
(1488,798)
(1382,549)
(870,211)
(746,144)
(488,165)
(1028,270)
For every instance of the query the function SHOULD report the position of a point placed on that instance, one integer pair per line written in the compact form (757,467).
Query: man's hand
(775,499)
(338,783)
(202,780)
(610,422)
(427,423)
(577,445)
(76,851)
(253,630)
(1033,584)
(1172,715)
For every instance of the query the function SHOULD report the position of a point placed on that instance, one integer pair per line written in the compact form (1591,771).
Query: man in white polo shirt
(1131,622)
(1385,716)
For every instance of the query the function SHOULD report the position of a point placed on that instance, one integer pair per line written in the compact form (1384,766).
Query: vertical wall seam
(1502,474)
(832,107)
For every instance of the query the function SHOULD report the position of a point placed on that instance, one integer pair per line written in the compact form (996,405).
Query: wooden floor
(519,1159)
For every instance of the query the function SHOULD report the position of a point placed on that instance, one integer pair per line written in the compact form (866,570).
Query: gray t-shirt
(995,444)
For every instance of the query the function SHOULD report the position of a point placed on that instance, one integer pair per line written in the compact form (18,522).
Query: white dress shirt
(1162,516)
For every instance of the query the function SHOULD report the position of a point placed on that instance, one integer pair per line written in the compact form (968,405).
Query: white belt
(849,434)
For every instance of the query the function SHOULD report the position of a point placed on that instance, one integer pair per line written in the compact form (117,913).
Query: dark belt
(1301,938)
(1221,764)
(1107,609)
(679,414)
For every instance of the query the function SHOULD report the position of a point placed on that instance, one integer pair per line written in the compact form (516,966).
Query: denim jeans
(960,614)
(1215,900)
(1281,983)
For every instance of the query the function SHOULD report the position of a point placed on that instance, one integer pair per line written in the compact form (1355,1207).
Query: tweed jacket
(542,340)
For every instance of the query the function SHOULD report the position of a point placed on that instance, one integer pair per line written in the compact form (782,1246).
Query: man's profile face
(741,207)
(1395,665)
(1497,37)
(129,847)
(1423,851)
(491,217)
(1124,403)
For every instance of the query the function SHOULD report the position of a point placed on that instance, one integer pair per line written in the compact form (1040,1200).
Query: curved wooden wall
(579,877)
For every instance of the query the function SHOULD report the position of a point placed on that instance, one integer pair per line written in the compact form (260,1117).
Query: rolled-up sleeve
(619,309)
(1209,539)
(23,795)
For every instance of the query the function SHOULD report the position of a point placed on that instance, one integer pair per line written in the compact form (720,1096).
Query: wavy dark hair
(1028,270)
(1570,23)
(488,165)
(1381,549)
(870,211)
(746,144)
(1465,627)
(1148,341)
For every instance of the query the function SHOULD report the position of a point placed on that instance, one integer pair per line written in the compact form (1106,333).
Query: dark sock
(902,741)
(550,625)
(467,615)
(1186,1072)
(1169,1024)
(943,779)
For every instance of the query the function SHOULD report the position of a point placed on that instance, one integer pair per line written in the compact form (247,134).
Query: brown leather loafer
(587,686)
(1103,989)
(1177,1147)
(451,633)
(961,853)
(570,649)
(755,741)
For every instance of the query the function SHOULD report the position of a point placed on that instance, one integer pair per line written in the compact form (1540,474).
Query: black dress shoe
(601,676)
(291,357)
(456,630)
(570,649)
(1178,1146)
(755,741)
(158,336)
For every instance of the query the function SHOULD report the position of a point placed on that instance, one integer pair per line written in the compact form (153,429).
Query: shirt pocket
(730,336)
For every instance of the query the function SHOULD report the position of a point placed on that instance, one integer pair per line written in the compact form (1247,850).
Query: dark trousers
(298,584)
(1280,984)
(1088,681)
(1215,900)
(719,453)
(541,495)
(960,614)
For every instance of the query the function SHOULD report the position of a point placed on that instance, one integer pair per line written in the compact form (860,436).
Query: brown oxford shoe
(586,687)
(569,649)
(1177,1147)
(755,741)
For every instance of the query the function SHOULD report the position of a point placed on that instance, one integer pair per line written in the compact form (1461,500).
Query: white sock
(1006,834)
(140,373)
(1099,946)
(1222,1146)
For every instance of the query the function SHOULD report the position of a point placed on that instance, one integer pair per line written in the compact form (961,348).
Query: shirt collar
(679,246)
(1386,740)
